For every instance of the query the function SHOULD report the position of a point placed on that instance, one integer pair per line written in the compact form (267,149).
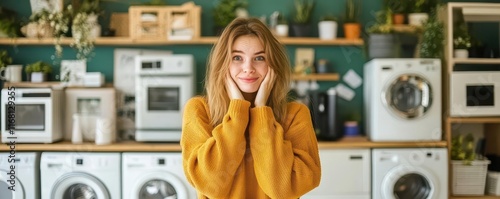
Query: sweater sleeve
(212,155)
(287,163)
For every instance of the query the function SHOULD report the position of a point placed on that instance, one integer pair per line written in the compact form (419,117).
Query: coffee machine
(323,107)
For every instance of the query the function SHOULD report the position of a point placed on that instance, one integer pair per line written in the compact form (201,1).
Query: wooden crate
(165,22)
(120,23)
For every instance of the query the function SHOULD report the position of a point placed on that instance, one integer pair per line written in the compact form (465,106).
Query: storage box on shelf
(165,22)
(472,12)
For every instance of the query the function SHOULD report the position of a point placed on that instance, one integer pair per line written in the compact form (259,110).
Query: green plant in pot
(431,45)
(382,42)
(462,148)
(5,59)
(327,27)
(302,17)
(8,24)
(352,28)
(225,12)
(399,9)
(38,71)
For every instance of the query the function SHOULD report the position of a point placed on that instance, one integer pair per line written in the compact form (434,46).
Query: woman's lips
(248,79)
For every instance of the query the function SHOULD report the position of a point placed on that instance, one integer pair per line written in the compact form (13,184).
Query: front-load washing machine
(402,99)
(66,175)
(154,175)
(416,173)
(19,175)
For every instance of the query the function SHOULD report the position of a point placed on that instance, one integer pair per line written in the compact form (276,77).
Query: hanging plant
(82,39)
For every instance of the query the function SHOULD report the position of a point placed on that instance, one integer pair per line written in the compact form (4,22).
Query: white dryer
(22,182)
(402,99)
(77,175)
(154,175)
(416,173)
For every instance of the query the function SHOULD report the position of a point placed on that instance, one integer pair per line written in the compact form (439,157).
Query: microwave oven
(31,115)
(475,93)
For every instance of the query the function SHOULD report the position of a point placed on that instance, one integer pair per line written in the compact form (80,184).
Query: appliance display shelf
(346,142)
(127,41)
(473,119)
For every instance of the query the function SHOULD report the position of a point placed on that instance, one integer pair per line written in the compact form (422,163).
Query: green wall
(342,58)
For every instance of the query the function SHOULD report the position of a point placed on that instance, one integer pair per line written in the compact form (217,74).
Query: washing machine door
(77,185)
(5,192)
(405,182)
(159,185)
(408,96)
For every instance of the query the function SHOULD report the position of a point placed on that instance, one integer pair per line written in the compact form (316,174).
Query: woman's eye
(236,58)
(260,58)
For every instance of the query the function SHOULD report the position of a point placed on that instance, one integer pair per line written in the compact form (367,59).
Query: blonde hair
(220,58)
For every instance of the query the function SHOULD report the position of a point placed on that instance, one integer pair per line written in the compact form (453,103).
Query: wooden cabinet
(472,12)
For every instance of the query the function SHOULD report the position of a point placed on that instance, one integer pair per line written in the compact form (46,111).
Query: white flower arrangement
(82,38)
(462,42)
(58,23)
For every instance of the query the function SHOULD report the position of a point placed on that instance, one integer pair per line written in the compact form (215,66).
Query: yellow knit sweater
(249,155)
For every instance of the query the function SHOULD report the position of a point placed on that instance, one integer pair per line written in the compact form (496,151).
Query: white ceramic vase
(461,53)
(282,30)
(417,19)
(327,30)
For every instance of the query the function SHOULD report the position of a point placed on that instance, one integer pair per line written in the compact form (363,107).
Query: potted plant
(225,12)
(85,27)
(5,59)
(282,26)
(327,27)
(38,71)
(431,45)
(468,169)
(398,9)
(303,10)
(352,28)
(382,42)
(419,10)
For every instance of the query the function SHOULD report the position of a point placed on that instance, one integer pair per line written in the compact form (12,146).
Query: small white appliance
(416,173)
(345,174)
(21,182)
(154,175)
(164,83)
(89,104)
(493,183)
(475,93)
(31,115)
(80,175)
(402,99)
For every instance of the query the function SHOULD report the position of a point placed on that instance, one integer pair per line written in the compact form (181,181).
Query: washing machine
(154,175)
(66,175)
(402,99)
(345,174)
(416,173)
(22,182)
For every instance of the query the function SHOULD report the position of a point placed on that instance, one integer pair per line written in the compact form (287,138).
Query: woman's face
(248,65)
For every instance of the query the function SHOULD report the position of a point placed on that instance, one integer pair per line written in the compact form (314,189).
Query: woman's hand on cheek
(265,88)
(232,89)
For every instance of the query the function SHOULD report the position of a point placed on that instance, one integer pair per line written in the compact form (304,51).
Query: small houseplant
(398,9)
(5,59)
(302,17)
(382,42)
(38,71)
(461,41)
(327,27)
(431,45)
(8,25)
(225,12)
(352,28)
(282,26)
(469,169)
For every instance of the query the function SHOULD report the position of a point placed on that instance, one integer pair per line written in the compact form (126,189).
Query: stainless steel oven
(31,115)
(163,85)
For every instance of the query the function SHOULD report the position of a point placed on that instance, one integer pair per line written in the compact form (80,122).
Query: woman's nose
(248,67)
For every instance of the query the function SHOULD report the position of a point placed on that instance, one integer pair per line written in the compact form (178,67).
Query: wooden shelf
(347,142)
(126,41)
(318,77)
(476,61)
(49,84)
(473,119)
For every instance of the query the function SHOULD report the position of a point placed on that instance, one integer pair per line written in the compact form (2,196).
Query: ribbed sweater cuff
(238,106)
(261,115)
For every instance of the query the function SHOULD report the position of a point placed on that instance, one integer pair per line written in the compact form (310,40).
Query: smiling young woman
(243,138)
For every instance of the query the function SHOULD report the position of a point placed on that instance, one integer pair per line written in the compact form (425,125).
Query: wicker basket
(469,179)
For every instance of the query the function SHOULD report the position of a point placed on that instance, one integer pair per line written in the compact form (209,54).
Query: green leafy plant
(38,66)
(57,21)
(462,148)
(397,6)
(8,23)
(303,10)
(351,11)
(432,38)
(5,59)
(383,24)
(328,17)
(88,7)
(225,11)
